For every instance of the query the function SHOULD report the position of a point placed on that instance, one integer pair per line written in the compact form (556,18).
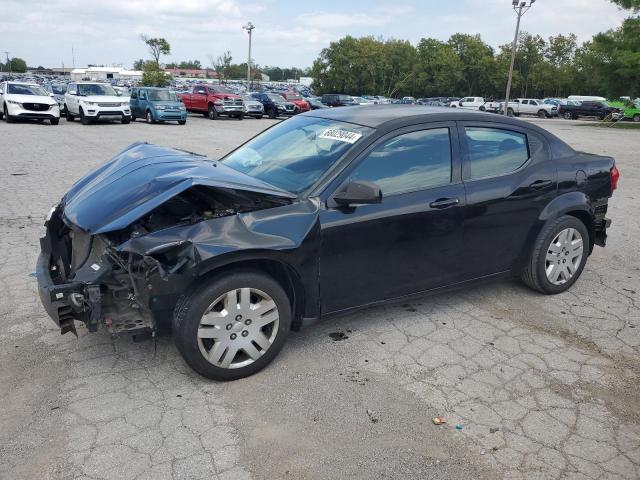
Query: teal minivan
(157,105)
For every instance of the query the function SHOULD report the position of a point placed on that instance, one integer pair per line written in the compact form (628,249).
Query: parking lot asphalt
(531,386)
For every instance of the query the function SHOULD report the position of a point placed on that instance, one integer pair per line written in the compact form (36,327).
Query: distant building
(306,81)
(105,74)
(191,72)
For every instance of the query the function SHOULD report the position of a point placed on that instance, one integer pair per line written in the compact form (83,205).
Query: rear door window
(493,152)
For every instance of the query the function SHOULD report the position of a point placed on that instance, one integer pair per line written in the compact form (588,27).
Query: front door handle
(541,184)
(442,203)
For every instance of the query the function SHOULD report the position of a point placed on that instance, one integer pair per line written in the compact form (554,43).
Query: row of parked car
(88,101)
(570,108)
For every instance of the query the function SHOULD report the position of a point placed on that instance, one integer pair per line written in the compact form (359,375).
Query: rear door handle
(442,203)
(540,184)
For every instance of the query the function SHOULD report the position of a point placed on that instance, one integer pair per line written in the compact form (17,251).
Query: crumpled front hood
(141,178)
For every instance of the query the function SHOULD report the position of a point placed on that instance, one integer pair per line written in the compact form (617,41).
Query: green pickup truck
(631,109)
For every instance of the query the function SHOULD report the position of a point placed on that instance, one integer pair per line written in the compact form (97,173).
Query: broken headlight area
(84,278)
(88,278)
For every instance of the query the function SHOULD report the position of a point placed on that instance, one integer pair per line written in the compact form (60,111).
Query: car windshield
(295,154)
(98,89)
(162,96)
(276,98)
(59,89)
(17,89)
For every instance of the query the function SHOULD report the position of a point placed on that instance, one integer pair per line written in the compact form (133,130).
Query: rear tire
(220,300)
(552,254)
(567,116)
(272,113)
(258,117)
(636,118)
(510,112)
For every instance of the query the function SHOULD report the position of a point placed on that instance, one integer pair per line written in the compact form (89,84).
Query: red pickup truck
(213,101)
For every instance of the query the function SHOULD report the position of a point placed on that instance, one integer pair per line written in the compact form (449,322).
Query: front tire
(149,117)
(232,326)
(212,113)
(542,114)
(7,118)
(182,122)
(559,256)
(68,115)
(54,121)
(125,120)
(83,118)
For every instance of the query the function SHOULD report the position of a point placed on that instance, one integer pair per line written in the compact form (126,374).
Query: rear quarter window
(493,152)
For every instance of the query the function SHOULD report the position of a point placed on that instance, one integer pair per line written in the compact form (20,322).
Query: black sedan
(333,210)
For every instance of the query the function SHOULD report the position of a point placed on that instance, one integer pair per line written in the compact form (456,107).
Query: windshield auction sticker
(340,135)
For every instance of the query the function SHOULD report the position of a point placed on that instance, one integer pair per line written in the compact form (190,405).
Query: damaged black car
(330,211)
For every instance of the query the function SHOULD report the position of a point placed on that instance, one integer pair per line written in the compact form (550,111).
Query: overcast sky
(288,33)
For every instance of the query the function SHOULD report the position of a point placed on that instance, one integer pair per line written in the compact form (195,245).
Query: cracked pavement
(532,387)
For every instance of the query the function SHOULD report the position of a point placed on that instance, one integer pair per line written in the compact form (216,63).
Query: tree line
(558,66)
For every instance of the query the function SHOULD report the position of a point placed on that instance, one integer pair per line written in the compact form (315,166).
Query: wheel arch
(575,204)
(282,272)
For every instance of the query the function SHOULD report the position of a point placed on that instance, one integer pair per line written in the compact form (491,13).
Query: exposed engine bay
(92,279)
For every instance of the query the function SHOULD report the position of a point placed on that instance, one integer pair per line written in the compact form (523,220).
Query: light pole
(249,28)
(521,8)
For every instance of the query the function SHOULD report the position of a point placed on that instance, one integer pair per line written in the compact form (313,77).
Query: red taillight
(615,176)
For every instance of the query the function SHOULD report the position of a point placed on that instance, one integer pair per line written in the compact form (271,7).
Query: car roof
(376,116)
(14,82)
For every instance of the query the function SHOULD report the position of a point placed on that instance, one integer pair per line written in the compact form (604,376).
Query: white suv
(93,101)
(27,100)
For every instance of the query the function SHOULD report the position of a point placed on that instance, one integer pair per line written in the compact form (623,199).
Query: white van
(586,98)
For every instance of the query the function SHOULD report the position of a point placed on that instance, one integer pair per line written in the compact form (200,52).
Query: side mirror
(358,192)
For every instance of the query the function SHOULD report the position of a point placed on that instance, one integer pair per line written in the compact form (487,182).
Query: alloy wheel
(564,256)
(238,328)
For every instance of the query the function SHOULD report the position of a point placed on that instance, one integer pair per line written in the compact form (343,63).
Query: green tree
(157,47)
(616,59)
(438,69)
(18,65)
(628,4)
(153,76)
(138,64)
(477,63)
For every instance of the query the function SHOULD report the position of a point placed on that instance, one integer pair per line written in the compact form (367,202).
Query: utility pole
(73,57)
(249,28)
(520,8)
(8,63)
